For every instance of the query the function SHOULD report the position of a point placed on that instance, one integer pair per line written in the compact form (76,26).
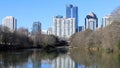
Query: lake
(36,58)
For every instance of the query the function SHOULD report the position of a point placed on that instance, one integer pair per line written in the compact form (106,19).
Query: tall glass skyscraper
(72,12)
(69,11)
(36,28)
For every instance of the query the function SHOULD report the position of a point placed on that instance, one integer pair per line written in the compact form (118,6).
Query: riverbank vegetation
(21,39)
(95,59)
(107,39)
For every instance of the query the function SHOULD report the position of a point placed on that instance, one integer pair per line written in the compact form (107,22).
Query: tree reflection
(92,59)
(31,58)
(13,59)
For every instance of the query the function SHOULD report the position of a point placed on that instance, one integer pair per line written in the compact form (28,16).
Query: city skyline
(27,12)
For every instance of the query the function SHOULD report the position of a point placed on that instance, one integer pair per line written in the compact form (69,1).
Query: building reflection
(35,60)
(64,61)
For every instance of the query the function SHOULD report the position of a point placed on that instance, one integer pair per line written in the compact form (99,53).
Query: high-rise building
(72,12)
(81,28)
(91,21)
(49,31)
(10,22)
(106,21)
(36,28)
(69,11)
(63,27)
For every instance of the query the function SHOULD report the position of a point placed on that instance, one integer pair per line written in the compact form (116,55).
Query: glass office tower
(36,28)
(72,12)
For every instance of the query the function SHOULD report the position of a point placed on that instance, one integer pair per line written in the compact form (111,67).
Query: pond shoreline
(62,48)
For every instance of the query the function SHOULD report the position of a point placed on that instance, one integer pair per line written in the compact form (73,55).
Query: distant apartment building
(91,21)
(44,32)
(63,27)
(49,31)
(10,22)
(106,21)
(36,28)
(81,28)
(72,12)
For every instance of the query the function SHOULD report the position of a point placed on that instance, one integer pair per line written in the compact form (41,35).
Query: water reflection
(75,59)
(63,61)
(29,59)
(93,59)
(13,59)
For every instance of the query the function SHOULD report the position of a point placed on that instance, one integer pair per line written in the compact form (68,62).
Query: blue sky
(28,11)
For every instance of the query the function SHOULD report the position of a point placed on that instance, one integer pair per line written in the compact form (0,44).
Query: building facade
(81,28)
(49,31)
(91,21)
(63,27)
(72,12)
(106,21)
(36,28)
(10,22)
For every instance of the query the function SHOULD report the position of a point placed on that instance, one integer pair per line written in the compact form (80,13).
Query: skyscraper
(106,21)
(72,12)
(10,22)
(91,21)
(69,11)
(36,28)
(63,27)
